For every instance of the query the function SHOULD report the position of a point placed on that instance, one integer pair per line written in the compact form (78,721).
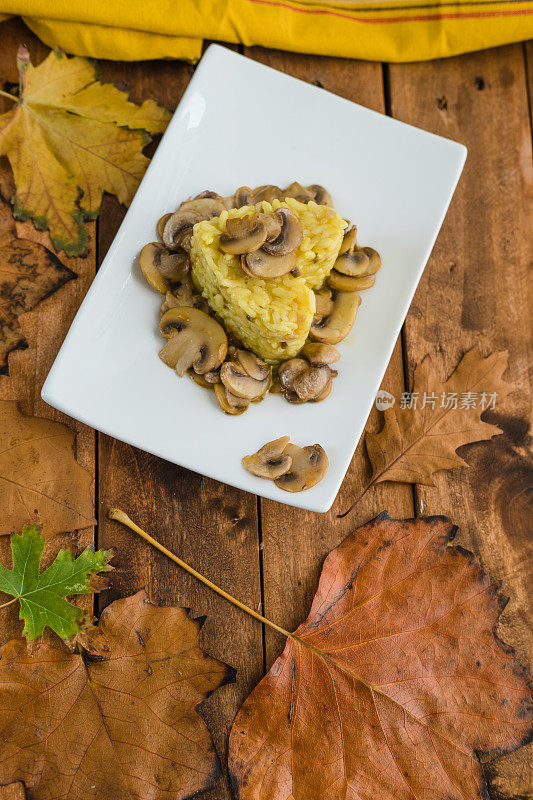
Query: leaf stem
(4,605)
(357,499)
(120,516)
(15,100)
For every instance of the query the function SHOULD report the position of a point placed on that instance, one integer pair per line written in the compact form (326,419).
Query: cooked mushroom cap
(344,283)
(309,465)
(321,195)
(270,461)
(323,302)
(163,268)
(161,224)
(290,236)
(336,325)
(251,364)
(243,197)
(239,383)
(289,370)
(352,263)
(301,193)
(195,340)
(208,205)
(349,240)
(326,391)
(178,228)
(243,235)
(311,382)
(267,192)
(183,294)
(272,224)
(263,265)
(317,353)
(228,402)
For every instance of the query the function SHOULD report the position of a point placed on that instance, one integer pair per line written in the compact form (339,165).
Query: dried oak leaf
(115,721)
(13,791)
(392,684)
(69,138)
(416,442)
(42,596)
(40,480)
(29,272)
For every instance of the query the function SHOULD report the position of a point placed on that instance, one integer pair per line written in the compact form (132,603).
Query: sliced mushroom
(326,391)
(356,261)
(267,192)
(200,380)
(349,240)
(290,236)
(161,224)
(323,302)
(270,461)
(239,383)
(195,340)
(183,294)
(272,224)
(251,364)
(289,371)
(228,402)
(311,382)
(213,376)
(178,229)
(163,268)
(301,193)
(243,235)
(309,465)
(262,265)
(318,353)
(337,324)
(344,283)
(207,204)
(321,196)
(243,197)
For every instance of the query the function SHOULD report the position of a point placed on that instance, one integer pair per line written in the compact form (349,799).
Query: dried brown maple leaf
(415,442)
(40,480)
(69,138)
(392,684)
(29,272)
(117,720)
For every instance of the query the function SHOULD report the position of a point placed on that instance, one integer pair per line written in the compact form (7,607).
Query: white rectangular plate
(241,123)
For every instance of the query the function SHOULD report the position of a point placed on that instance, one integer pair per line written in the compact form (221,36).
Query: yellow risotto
(271,316)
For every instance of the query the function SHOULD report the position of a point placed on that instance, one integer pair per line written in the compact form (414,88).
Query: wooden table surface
(474,292)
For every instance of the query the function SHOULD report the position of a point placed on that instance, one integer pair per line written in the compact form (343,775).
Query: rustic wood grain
(295,542)
(210,525)
(44,329)
(476,291)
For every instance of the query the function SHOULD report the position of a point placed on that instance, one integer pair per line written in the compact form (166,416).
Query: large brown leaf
(393,682)
(416,442)
(40,480)
(29,272)
(118,721)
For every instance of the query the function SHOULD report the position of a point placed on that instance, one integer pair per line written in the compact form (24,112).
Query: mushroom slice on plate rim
(318,353)
(228,402)
(335,326)
(195,340)
(240,384)
(162,222)
(161,267)
(207,205)
(270,461)
(309,465)
(178,228)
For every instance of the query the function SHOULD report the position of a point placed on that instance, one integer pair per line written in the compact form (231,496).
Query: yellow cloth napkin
(381,30)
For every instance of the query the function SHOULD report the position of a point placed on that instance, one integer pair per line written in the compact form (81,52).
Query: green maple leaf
(43,596)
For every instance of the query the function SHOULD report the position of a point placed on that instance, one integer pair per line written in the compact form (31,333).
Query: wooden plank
(295,542)
(475,292)
(212,526)
(44,328)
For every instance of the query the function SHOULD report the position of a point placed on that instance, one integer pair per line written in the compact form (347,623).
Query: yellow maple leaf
(69,139)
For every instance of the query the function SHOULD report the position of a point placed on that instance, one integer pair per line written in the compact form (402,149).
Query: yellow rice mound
(270,317)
